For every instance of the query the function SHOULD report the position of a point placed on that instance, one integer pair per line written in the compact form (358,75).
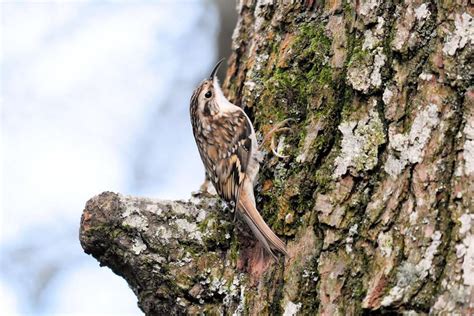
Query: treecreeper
(228,146)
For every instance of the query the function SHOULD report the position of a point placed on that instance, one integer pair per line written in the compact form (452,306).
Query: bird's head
(207,96)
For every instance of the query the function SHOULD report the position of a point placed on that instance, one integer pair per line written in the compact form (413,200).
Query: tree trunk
(375,199)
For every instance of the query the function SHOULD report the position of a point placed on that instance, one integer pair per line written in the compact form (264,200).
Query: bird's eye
(208,94)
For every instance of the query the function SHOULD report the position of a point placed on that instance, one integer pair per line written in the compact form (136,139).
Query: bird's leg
(274,130)
(235,214)
(206,189)
(279,127)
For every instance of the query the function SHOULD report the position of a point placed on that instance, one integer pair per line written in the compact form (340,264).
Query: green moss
(105,230)
(312,35)
(214,230)
(308,282)
(288,90)
(347,109)
(325,76)
(357,294)
(234,250)
(349,12)
(116,233)
(300,84)
(324,174)
(387,42)
(359,55)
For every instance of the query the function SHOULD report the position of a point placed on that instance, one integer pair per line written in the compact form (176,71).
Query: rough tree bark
(375,200)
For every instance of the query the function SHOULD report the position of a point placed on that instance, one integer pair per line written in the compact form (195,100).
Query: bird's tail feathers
(264,234)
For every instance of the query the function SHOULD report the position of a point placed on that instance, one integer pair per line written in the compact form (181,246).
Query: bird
(228,147)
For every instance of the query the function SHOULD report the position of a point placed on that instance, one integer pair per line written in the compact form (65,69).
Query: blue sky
(94,97)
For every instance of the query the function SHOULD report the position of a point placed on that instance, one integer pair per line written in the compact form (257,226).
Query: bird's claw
(279,127)
(274,151)
(205,190)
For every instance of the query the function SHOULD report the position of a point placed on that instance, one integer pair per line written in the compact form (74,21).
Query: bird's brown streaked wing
(229,154)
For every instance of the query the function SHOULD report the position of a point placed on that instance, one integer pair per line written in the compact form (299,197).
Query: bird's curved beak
(216,67)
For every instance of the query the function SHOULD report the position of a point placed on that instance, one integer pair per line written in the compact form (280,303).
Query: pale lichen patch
(232,291)
(463,34)
(164,233)
(422,12)
(466,221)
(373,37)
(368,6)
(387,96)
(426,264)
(154,208)
(379,61)
(178,208)
(259,13)
(465,249)
(136,221)
(425,76)
(385,243)
(409,274)
(446,304)
(468,148)
(350,237)
(413,218)
(138,246)
(366,73)
(132,215)
(359,145)
(241,307)
(468,262)
(370,41)
(404,29)
(189,228)
(359,78)
(201,216)
(408,148)
(291,308)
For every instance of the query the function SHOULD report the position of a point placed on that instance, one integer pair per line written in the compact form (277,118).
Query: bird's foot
(278,128)
(205,190)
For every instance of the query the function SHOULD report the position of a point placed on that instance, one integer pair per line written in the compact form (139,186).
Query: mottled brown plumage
(228,147)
